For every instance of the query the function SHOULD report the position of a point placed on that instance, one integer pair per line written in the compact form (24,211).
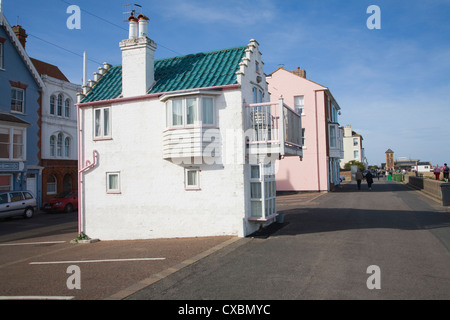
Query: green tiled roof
(192,71)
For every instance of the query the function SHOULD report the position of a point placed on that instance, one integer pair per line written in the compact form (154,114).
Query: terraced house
(180,147)
(20,102)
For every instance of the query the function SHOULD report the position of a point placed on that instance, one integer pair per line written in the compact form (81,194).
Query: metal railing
(265,127)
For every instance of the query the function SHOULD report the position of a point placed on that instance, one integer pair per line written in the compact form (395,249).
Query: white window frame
(67,104)
(267,189)
(53,184)
(53,100)
(15,99)
(332,131)
(101,124)
(196,185)
(299,104)
(59,105)
(108,188)
(11,143)
(198,117)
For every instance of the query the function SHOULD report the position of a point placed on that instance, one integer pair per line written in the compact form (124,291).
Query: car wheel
(68,208)
(28,213)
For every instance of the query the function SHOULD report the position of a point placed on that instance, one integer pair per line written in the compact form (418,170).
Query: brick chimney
(20,34)
(300,72)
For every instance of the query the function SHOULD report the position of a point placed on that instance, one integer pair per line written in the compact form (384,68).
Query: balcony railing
(273,127)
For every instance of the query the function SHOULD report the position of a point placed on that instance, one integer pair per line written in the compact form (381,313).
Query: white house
(180,147)
(353,148)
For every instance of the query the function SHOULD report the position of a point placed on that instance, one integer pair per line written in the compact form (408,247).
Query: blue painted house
(20,107)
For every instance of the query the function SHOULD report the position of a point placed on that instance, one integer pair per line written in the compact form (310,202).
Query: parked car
(17,203)
(66,201)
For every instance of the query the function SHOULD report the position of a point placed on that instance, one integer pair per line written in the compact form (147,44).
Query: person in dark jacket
(369,179)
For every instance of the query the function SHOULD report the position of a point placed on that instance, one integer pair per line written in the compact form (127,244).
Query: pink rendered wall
(310,174)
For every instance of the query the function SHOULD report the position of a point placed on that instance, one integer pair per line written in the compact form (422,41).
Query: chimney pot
(133,27)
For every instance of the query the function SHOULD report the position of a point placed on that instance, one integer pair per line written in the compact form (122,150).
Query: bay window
(12,143)
(190,112)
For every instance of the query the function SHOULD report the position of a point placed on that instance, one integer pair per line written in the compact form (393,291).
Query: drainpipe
(81,170)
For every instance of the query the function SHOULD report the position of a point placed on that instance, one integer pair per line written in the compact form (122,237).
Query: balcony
(273,128)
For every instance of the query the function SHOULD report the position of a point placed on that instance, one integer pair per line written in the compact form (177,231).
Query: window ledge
(273,216)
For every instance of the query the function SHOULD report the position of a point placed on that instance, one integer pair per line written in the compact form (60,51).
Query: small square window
(112,182)
(192,179)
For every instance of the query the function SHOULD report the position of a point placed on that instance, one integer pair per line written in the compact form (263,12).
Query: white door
(31,183)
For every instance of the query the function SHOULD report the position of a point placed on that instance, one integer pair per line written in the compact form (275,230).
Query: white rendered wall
(53,124)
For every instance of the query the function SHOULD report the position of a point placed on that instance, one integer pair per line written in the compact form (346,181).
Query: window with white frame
(67,147)
(299,104)
(113,182)
(102,122)
(52,146)
(190,111)
(52,104)
(17,99)
(356,154)
(257,95)
(262,191)
(12,143)
(355,142)
(332,136)
(60,104)
(51,184)
(67,108)
(192,178)
(59,142)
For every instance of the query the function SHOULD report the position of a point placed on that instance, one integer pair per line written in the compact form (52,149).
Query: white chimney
(133,32)
(137,63)
(143,25)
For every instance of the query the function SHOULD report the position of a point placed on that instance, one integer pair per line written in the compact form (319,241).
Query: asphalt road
(325,249)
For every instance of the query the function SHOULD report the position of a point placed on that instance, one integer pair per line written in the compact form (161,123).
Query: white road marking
(29,243)
(103,260)
(36,297)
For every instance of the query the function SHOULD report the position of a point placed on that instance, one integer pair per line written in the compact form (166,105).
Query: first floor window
(17,99)
(356,154)
(192,178)
(190,112)
(112,182)
(332,137)
(67,147)
(102,122)
(303,137)
(52,145)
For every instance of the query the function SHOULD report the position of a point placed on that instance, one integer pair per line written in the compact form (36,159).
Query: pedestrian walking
(437,171)
(445,170)
(369,179)
(358,177)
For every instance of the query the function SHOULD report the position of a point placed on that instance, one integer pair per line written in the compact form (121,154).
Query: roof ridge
(207,52)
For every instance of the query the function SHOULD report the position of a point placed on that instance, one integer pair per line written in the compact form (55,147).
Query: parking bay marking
(94,261)
(29,243)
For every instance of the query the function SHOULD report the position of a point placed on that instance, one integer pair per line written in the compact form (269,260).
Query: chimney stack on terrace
(137,58)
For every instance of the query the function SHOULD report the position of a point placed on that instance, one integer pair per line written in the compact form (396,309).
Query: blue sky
(392,84)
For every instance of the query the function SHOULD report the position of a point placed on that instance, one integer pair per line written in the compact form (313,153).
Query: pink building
(318,169)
